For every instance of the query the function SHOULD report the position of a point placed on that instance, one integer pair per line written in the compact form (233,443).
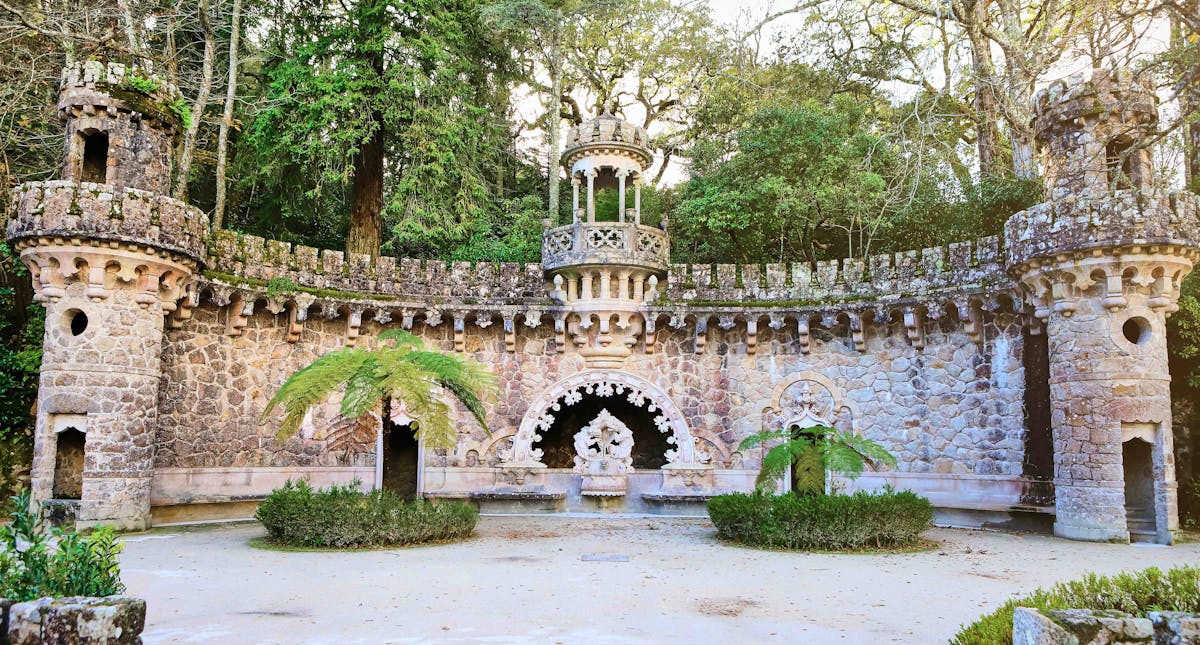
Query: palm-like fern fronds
(841,452)
(404,371)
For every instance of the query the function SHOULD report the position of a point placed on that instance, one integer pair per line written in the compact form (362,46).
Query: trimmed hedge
(343,517)
(823,522)
(1135,593)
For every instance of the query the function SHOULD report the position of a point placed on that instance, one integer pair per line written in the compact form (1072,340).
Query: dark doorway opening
(1039,434)
(68,465)
(400,459)
(95,158)
(649,444)
(1138,463)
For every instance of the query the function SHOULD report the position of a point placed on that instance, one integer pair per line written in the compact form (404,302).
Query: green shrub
(342,517)
(824,522)
(1136,593)
(143,84)
(36,562)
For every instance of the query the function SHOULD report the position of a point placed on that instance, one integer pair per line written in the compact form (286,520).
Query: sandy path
(522,580)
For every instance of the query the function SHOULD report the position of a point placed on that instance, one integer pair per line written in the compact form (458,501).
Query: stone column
(574,198)
(637,199)
(591,195)
(621,198)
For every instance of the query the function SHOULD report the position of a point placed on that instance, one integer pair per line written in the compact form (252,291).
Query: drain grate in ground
(603,557)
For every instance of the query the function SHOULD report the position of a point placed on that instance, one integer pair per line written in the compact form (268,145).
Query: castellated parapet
(165,342)
(1101,264)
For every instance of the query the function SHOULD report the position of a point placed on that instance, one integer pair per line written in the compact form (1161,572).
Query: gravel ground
(551,579)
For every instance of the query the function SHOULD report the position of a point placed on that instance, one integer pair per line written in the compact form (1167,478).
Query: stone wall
(1090,627)
(951,408)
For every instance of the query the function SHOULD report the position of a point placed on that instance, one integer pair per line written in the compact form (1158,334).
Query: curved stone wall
(75,210)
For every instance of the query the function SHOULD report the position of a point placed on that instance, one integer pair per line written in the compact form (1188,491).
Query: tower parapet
(110,258)
(1102,262)
(606,271)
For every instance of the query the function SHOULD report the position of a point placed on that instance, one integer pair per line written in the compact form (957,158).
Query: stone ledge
(1079,626)
(114,620)
(516,496)
(679,497)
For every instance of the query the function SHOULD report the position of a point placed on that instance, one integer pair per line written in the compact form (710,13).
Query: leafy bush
(824,522)
(342,517)
(36,562)
(143,84)
(21,329)
(1136,593)
(838,450)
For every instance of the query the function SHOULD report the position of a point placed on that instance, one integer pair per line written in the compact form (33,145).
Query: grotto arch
(638,392)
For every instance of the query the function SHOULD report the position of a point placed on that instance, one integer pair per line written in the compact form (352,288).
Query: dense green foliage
(1176,589)
(343,517)
(403,370)
(36,562)
(837,450)
(21,330)
(822,522)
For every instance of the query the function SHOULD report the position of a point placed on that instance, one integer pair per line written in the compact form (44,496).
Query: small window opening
(95,158)
(77,322)
(68,464)
(1136,330)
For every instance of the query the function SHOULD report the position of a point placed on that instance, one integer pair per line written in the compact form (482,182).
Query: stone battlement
(93,87)
(1124,218)
(1120,92)
(883,277)
(68,209)
(256,258)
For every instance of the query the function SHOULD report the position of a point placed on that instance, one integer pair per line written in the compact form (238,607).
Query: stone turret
(111,258)
(606,271)
(1101,263)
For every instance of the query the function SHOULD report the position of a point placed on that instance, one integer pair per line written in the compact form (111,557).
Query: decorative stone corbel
(147,293)
(382,316)
(297,315)
(406,319)
(460,332)
(701,337)
(240,310)
(857,331)
(803,335)
(751,335)
(96,289)
(1162,294)
(969,314)
(1114,294)
(914,327)
(651,333)
(353,324)
(187,305)
(433,317)
(560,334)
(510,334)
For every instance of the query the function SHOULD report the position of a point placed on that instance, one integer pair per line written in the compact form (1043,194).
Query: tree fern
(841,452)
(402,371)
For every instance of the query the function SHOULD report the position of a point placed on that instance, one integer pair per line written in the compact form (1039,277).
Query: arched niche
(542,409)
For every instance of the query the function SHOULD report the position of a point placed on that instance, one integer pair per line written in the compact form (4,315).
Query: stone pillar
(621,197)
(574,194)
(109,262)
(591,195)
(637,199)
(1101,271)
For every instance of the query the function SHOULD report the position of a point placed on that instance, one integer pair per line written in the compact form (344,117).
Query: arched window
(68,464)
(95,157)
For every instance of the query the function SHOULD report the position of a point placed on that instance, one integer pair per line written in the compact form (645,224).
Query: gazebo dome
(604,135)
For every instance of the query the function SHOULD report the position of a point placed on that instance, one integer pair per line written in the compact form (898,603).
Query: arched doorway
(401,459)
(545,409)
(68,464)
(1138,465)
(557,443)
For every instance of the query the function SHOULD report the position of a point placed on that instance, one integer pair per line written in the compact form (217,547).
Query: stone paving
(560,580)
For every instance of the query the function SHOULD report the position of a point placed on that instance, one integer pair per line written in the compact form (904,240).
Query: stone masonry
(188,335)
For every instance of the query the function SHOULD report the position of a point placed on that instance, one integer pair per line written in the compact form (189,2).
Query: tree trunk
(367,198)
(218,218)
(1189,98)
(193,131)
(987,114)
(554,120)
